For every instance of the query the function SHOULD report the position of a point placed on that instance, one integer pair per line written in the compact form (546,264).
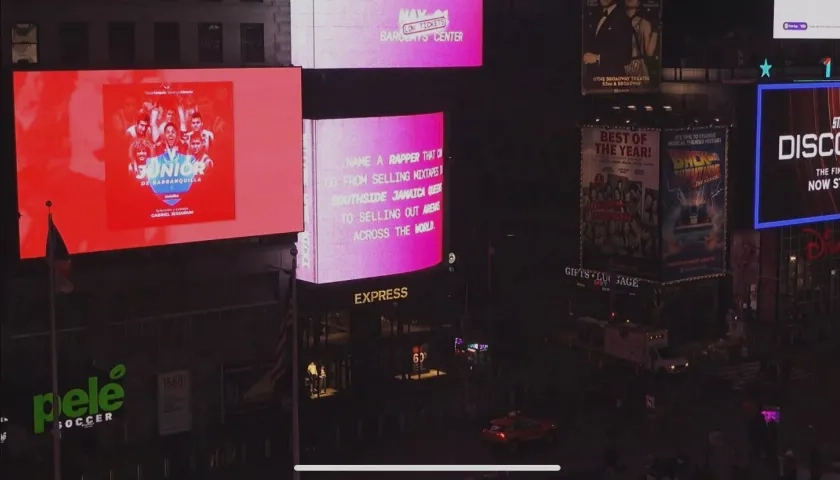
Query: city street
(686,413)
(566,388)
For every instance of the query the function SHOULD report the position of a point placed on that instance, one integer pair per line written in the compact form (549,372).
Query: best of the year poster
(693,203)
(622,45)
(169,150)
(619,201)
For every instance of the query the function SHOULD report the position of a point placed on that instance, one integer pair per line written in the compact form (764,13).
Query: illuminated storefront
(809,270)
(474,355)
(385,331)
(421,365)
(788,274)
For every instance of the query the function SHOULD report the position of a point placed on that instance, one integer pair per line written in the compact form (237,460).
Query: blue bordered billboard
(797,154)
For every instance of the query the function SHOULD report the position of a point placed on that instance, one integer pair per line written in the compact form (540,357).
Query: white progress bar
(427,468)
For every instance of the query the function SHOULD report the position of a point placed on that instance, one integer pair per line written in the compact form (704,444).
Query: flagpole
(56,433)
(295,368)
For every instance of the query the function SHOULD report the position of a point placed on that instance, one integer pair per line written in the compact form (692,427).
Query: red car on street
(515,429)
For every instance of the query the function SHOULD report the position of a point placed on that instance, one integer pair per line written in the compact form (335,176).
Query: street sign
(174,402)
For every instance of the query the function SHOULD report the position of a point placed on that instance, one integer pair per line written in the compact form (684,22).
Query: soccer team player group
(162,136)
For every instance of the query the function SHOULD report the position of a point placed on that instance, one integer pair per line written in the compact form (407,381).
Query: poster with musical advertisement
(693,203)
(620,201)
(622,46)
(175,164)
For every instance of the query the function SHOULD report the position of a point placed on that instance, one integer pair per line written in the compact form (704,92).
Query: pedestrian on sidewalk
(771,446)
(789,466)
(815,464)
(739,472)
(758,435)
(785,372)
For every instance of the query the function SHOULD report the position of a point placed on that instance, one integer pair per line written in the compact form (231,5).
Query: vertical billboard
(373,197)
(330,34)
(620,201)
(142,158)
(622,46)
(797,154)
(693,203)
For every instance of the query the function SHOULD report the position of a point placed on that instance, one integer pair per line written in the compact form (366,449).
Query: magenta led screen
(373,197)
(354,34)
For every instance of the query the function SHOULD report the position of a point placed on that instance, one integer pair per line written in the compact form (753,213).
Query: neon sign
(821,244)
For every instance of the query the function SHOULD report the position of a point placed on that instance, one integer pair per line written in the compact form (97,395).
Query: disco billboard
(350,34)
(373,197)
(620,201)
(797,154)
(693,197)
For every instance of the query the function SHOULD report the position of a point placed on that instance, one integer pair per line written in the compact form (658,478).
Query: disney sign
(821,244)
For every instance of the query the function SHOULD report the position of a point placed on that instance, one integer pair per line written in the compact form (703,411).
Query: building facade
(788,278)
(181,339)
(134,34)
(809,269)
(373,348)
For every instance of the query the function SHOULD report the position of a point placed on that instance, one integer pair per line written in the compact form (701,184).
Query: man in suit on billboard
(610,47)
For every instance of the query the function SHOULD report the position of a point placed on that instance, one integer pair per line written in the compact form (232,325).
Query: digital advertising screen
(806,19)
(352,34)
(797,154)
(373,197)
(143,158)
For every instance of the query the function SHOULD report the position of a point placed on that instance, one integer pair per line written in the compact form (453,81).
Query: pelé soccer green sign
(79,407)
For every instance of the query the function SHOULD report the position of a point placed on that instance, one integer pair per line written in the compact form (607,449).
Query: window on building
(24,43)
(210,43)
(73,43)
(167,43)
(121,43)
(252,42)
(809,271)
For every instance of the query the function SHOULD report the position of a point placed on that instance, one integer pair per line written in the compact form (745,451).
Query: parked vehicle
(646,348)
